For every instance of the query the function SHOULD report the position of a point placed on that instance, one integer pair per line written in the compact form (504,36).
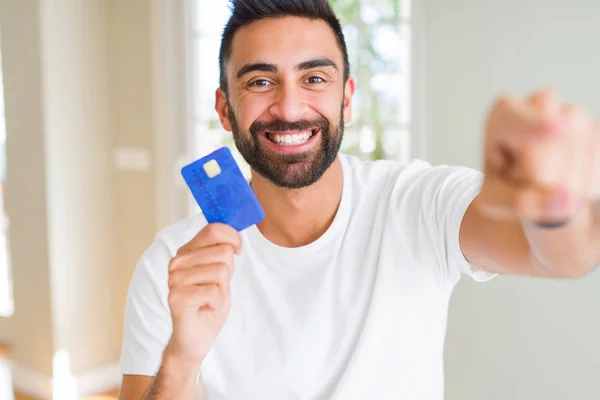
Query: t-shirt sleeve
(147,324)
(446,195)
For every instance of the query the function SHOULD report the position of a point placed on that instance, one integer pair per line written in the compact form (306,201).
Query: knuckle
(228,249)
(217,233)
(174,280)
(225,252)
(181,250)
(572,110)
(228,253)
(175,263)
(504,100)
(212,233)
(173,299)
(221,227)
(217,227)
(222,272)
(498,110)
(547,94)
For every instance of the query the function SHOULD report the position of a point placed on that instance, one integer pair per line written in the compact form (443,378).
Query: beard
(289,170)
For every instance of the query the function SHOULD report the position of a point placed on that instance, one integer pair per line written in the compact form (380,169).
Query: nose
(289,104)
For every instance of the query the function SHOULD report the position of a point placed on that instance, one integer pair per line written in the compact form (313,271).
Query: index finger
(214,234)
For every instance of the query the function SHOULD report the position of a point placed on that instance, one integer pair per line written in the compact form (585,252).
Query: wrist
(176,379)
(582,215)
(570,250)
(181,364)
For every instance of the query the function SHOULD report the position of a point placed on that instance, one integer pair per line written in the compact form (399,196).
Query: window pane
(209,137)
(396,144)
(389,44)
(6,298)
(352,44)
(206,76)
(2,153)
(350,143)
(378,34)
(1,91)
(210,16)
(405,64)
(372,11)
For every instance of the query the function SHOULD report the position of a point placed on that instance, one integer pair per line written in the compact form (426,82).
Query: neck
(298,217)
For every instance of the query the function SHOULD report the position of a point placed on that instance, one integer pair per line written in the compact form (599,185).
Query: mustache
(258,127)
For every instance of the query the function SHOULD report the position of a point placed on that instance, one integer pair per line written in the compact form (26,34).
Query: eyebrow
(266,67)
(316,63)
(252,67)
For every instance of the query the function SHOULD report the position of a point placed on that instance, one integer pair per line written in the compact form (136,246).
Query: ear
(222,110)
(349,88)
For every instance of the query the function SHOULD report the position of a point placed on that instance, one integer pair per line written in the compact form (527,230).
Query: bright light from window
(6,298)
(64,386)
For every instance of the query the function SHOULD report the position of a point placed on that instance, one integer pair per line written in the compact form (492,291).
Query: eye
(259,83)
(315,80)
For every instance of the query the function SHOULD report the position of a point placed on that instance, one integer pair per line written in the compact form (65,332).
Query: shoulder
(151,272)
(416,185)
(170,238)
(377,170)
(409,175)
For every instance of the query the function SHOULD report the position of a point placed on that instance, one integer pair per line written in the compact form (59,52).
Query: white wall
(31,324)
(79,140)
(131,97)
(78,86)
(513,338)
(63,64)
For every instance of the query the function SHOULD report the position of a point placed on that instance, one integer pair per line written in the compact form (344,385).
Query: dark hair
(245,12)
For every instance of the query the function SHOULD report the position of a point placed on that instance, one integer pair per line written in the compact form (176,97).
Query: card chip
(212,168)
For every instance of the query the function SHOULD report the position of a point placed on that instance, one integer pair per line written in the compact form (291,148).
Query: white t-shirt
(358,314)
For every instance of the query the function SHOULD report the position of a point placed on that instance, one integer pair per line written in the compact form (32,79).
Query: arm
(176,379)
(542,160)
(197,286)
(133,387)
(511,247)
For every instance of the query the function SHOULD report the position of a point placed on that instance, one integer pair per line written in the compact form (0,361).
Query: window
(378,35)
(209,18)
(6,301)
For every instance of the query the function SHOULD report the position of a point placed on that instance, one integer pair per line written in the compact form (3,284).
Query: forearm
(176,380)
(572,250)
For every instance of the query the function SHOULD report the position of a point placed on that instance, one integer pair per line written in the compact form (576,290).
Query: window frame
(5,313)
(171,52)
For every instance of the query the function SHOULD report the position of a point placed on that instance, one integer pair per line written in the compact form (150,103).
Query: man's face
(287,101)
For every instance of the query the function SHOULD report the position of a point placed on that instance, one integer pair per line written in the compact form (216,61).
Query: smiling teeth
(294,139)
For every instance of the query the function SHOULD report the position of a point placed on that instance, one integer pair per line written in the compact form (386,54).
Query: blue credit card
(222,192)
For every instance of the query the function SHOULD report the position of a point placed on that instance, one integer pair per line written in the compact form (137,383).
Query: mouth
(295,138)
(291,141)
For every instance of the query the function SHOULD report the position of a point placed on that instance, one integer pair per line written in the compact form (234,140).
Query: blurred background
(103,101)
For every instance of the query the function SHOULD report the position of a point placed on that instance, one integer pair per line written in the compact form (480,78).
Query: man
(342,291)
